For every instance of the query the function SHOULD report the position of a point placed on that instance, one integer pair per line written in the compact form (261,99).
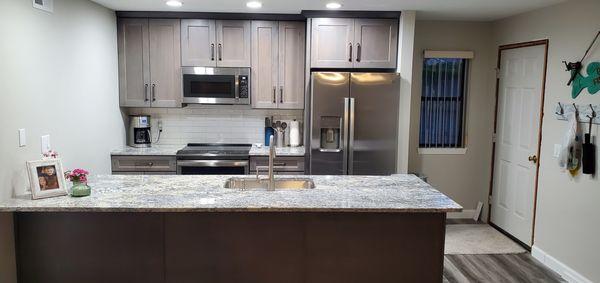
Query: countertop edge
(230,210)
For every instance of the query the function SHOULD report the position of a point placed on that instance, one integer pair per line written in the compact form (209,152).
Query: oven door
(212,167)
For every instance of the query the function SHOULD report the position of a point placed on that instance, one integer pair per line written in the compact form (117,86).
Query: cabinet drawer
(144,164)
(281,164)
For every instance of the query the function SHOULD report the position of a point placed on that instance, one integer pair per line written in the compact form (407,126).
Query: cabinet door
(264,64)
(165,68)
(291,65)
(134,72)
(198,46)
(233,43)
(376,43)
(331,43)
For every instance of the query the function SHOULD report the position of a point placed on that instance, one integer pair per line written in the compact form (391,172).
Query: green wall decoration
(591,82)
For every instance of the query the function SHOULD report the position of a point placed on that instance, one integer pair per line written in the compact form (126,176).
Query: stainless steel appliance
(207,85)
(213,159)
(139,133)
(354,123)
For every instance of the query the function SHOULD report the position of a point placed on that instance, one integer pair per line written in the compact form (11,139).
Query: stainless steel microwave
(208,85)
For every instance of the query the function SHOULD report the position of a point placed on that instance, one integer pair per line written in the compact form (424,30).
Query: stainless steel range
(213,159)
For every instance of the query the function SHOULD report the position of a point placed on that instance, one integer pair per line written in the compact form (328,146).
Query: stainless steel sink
(280,183)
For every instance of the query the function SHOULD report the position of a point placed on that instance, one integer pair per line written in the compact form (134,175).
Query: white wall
(568,208)
(463,177)
(213,124)
(58,76)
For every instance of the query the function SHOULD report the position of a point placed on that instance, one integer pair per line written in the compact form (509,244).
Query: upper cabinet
(212,43)
(278,60)
(354,43)
(149,68)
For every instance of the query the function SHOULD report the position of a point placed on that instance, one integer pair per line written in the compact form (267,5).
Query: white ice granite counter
(279,151)
(144,193)
(154,150)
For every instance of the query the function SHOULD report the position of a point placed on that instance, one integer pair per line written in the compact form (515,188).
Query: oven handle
(212,163)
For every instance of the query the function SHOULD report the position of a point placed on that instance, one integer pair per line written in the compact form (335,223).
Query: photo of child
(47,177)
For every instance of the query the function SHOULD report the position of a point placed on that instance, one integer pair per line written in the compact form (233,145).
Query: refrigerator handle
(344,135)
(351,138)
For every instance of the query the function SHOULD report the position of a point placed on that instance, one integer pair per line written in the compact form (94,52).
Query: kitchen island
(192,229)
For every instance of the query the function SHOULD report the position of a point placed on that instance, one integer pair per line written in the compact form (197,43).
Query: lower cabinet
(143,165)
(283,165)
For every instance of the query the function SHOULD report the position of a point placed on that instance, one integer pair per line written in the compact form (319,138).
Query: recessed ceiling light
(254,4)
(174,3)
(333,5)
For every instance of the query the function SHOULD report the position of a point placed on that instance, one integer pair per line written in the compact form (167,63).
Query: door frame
(545,43)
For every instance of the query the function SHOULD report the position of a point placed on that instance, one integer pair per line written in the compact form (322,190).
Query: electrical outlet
(22,138)
(557,148)
(46,143)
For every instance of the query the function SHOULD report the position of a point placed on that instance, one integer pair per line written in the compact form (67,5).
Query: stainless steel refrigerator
(354,123)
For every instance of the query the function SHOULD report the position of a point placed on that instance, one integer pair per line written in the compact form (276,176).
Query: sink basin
(280,183)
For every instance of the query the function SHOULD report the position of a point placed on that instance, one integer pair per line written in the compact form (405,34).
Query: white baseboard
(566,272)
(466,213)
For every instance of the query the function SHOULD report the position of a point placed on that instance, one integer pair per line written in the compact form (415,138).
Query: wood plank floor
(495,267)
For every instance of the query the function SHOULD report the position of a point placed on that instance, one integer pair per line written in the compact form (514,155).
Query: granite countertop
(154,150)
(279,151)
(146,193)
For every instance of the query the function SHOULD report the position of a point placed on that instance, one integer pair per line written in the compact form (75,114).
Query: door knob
(533,158)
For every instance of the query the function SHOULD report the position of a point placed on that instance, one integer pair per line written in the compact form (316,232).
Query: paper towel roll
(295,133)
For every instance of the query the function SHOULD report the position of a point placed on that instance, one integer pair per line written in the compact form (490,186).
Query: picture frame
(46,178)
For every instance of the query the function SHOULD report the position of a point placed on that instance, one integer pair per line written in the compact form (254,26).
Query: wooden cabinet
(282,165)
(278,59)
(149,69)
(198,43)
(354,43)
(143,165)
(215,43)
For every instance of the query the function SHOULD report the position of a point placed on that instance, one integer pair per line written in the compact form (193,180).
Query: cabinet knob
(150,163)
(533,158)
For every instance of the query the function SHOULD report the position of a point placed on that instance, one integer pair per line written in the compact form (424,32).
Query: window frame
(436,149)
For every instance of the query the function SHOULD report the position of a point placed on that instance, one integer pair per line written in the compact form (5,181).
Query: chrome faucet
(269,169)
(271,158)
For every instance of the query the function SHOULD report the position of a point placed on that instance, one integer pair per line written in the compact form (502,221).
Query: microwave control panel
(243,87)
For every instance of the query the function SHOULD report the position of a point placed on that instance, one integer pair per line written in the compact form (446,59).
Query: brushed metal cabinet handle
(274,95)
(358,52)
(350,55)
(212,52)
(146,92)
(220,52)
(281,94)
(153,92)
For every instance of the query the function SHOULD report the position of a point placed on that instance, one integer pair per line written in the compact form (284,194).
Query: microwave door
(209,89)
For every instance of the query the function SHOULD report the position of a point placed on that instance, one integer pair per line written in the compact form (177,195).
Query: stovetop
(215,151)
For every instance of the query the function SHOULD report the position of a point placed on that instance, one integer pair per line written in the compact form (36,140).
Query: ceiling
(470,10)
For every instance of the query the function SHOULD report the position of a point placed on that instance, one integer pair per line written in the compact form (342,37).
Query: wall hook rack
(583,112)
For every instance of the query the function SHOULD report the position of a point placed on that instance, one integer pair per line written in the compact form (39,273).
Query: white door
(517,140)
(233,43)
(264,64)
(331,43)
(198,46)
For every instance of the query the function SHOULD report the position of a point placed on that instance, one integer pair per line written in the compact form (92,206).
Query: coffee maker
(139,134)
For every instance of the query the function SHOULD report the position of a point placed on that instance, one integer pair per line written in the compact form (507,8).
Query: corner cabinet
(149,68)
(278,58)
(215,43)
(354,43)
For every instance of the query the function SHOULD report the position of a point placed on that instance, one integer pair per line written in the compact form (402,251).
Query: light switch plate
(45,143)
(22,138)
(557,150)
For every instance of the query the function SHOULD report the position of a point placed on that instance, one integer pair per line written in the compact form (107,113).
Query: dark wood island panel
(230,247)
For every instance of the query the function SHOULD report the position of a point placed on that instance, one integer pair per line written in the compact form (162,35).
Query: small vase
(80,189)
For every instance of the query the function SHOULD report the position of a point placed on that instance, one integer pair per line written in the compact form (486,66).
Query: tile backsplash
(212,124)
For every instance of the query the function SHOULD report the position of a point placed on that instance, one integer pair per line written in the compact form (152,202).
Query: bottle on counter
(268,130)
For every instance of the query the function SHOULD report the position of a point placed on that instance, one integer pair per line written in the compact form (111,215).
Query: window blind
(443,102)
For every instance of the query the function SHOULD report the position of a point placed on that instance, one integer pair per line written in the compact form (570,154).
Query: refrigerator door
(373,129)
(329,123)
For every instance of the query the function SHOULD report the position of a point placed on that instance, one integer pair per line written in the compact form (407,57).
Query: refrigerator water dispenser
(330,133)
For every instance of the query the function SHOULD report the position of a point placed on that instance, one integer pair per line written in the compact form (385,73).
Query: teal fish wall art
(591,82)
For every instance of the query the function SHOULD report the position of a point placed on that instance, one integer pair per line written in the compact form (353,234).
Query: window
(443,98)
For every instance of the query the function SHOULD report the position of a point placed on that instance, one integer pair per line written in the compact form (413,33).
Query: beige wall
(568,208)
(58,76)
(463,177)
